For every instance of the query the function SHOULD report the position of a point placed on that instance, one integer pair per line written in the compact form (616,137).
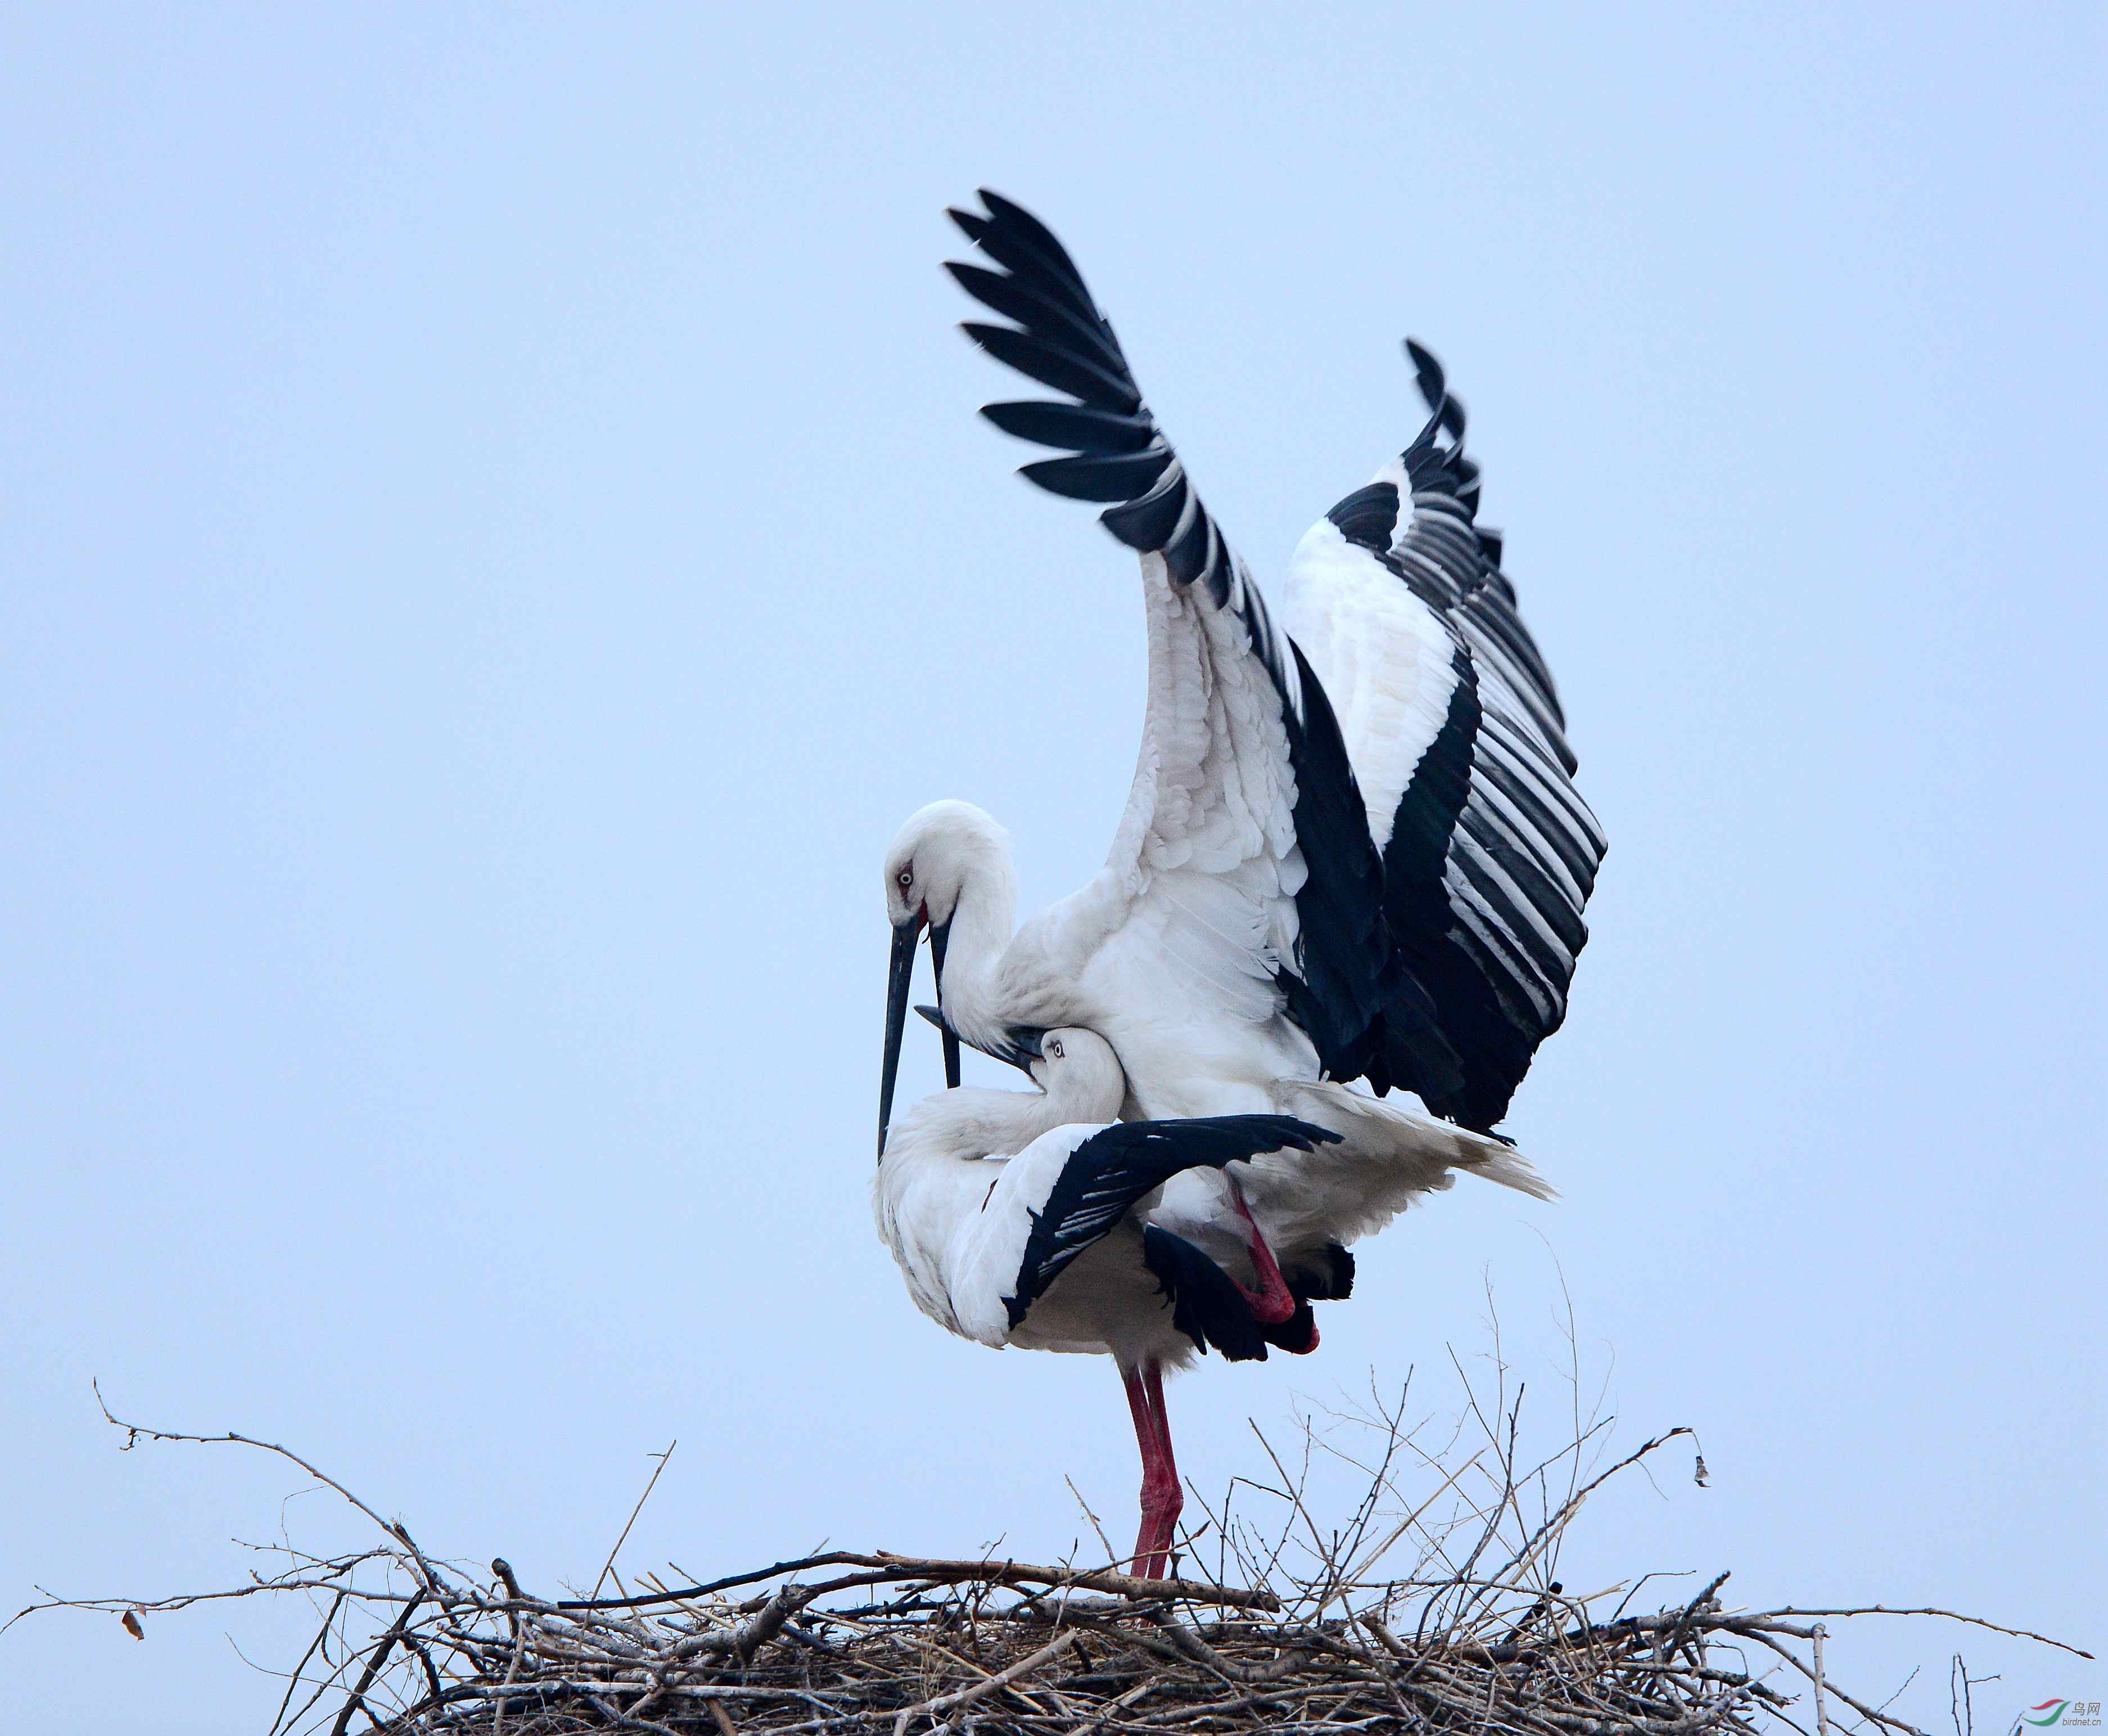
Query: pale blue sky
(496,536)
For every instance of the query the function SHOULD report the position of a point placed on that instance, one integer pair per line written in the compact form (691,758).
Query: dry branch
(1394,1621)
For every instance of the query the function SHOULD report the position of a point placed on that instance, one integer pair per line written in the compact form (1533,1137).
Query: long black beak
(941,937)
(899,979)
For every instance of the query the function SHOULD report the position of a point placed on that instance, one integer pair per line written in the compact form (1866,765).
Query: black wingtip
(1118,458)
(1113,480)
(1072,428)
(966,274)
(1307,1136)
(1427,372)
(1432,381)
(1004,210)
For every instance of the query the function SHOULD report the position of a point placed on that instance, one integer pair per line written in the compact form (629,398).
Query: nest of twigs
(958,1644)
(1436,1606)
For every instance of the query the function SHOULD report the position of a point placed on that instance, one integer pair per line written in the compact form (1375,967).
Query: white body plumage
(968,1175)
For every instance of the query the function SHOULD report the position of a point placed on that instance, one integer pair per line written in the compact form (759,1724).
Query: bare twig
(387,1643)
(641,1500)
(966,1696)
(1466,1632)
(1815,1673)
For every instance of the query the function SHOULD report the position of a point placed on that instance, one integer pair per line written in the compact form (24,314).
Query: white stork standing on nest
(1356,857)
(1059,1244)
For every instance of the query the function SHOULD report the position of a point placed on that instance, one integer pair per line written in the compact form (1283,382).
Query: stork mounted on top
(1352,852)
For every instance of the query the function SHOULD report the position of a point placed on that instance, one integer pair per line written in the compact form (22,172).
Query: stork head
(941,851)
(1080,1074)
(934,857)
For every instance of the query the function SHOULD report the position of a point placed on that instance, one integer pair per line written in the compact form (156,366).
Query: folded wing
(1064,1207)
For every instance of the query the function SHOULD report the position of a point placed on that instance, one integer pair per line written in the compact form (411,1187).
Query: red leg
(1162,1496)
(1145,1438)
(1271,1302)
(1171,1492)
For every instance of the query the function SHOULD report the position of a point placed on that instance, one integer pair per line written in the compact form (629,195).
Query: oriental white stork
(1071,1239)
(1355,853)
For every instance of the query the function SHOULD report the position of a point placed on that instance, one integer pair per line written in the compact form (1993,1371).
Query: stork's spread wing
(1456,735)
(1243,855)
(1105,1175)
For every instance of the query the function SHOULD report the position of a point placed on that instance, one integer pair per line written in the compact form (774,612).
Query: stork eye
(907,878)
(1054,1048)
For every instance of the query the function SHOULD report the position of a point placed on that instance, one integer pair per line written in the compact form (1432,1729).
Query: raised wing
(1456,733)
(1243,853)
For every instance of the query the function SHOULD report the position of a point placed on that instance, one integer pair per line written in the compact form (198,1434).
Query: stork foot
(1162,1502)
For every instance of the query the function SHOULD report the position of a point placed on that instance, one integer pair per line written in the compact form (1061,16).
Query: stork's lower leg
(1271,1302)
(1163,1497)
(1171,1490)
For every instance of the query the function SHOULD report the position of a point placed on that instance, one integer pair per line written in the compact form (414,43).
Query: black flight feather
(1492,853)
(1119,1166)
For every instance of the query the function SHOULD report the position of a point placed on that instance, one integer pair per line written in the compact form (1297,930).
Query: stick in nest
(1469,1633)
